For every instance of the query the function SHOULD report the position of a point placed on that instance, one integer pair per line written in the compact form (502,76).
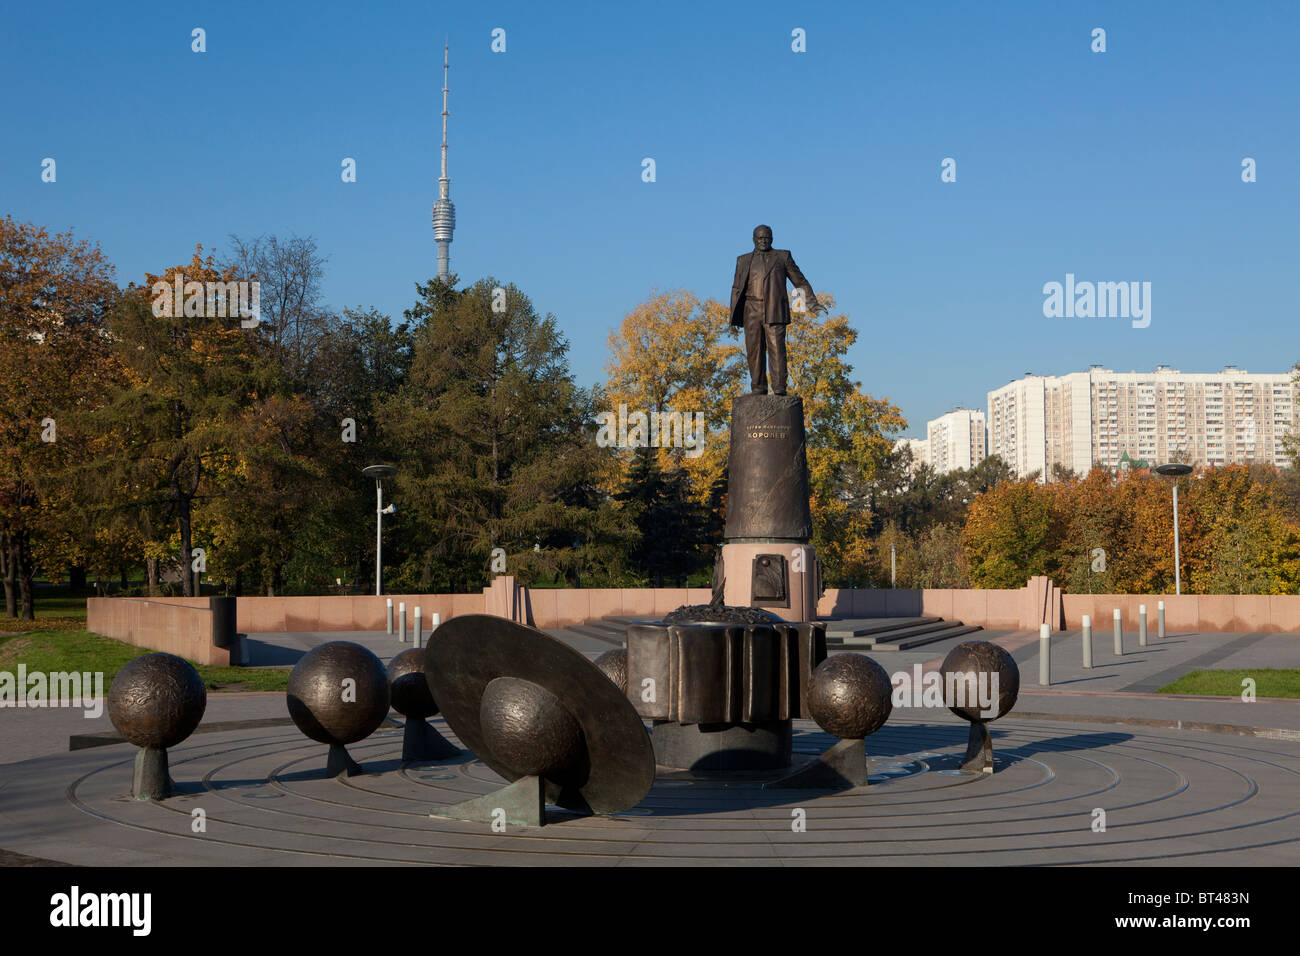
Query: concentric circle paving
(1168,797)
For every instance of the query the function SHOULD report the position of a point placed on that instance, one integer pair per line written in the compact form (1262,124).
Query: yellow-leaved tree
(848,438)
(676,353)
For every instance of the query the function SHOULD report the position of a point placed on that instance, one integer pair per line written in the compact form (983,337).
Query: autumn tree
(1242,541)
(272,495)
(358,365)
(678,353)
(1009,535)
(495,447)
(289,273)
(54,291)
(934,558)
(1095,550)
(848,430)
(188,375)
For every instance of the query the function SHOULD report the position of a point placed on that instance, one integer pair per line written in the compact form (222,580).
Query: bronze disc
(470,651)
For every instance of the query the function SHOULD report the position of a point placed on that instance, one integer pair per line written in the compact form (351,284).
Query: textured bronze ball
(613,664)
(328,709)
(528,729)
(976,669)
(850,696)
(157,700)
(408,687)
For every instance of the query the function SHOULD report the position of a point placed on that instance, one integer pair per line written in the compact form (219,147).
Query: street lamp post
(1174,471)
(379,473)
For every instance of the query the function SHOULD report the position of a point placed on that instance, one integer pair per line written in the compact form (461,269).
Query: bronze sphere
(528,729)
(157,700)
(613,664)
(966,663)
(408,687)
(328,710)
(850,696)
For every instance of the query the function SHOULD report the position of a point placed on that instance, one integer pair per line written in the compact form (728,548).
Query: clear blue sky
(1115,166)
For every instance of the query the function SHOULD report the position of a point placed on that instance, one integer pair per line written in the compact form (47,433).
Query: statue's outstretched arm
(800,282)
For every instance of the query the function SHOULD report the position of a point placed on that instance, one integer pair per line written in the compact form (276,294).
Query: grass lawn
(1268,683)
(77,650)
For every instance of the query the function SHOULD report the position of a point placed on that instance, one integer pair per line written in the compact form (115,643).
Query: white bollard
(1087,640)
(401,614)
(390,615)
(416,642)
(1044,655)
(435,622)
(1142,625)
(1119,634)
(1160,624)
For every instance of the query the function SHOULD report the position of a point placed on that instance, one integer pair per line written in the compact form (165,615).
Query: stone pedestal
(723,681)
(767,559)
(756,578)
(767,471)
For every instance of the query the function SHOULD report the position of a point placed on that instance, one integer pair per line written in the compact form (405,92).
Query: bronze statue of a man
(759,304)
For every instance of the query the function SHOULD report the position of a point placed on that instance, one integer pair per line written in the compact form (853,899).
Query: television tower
(444,213)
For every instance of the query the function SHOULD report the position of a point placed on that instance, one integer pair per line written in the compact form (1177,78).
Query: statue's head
(762,238)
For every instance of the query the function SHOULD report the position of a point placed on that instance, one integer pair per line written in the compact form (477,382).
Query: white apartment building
(1105,418)
(956,440)
(920,451)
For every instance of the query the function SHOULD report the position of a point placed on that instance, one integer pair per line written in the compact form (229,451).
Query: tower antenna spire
(444,213)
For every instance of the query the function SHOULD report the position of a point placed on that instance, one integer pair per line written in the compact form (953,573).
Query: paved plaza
(1181,780)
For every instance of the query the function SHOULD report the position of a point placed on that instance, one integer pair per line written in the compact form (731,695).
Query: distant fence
(1042,602)
(540,607)
(1038,602)
(204,629)
(200,629)
(1191,612)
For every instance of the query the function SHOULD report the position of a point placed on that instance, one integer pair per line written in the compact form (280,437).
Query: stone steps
(893,634)
(881,634)
(623,620)
(611,634)
(868,626)
(953,630)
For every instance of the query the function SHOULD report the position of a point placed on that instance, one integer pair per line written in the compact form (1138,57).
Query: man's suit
(759,304)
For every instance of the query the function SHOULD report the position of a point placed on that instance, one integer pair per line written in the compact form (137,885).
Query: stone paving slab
(590,646)
(1170,797)
(27,733)
(1261,716)
(1139,669)
(285,648)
